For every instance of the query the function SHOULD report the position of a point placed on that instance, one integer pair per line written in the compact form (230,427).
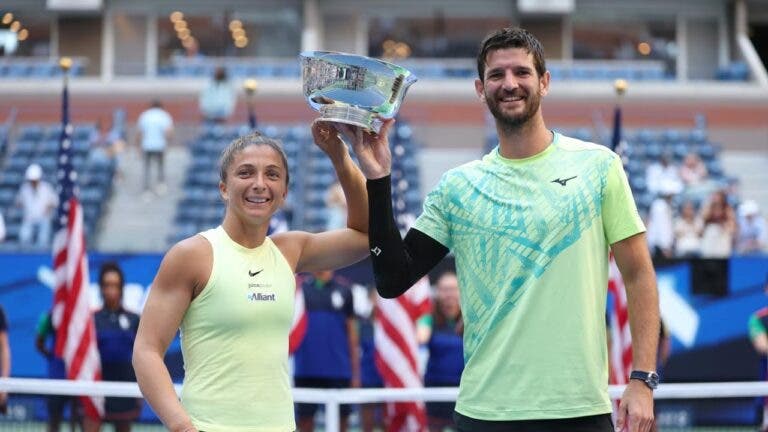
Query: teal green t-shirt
(757,323)
(531,239)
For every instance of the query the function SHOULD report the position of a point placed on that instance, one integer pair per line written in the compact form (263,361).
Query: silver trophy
(353,89)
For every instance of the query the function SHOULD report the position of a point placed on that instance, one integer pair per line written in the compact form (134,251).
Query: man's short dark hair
(511,37)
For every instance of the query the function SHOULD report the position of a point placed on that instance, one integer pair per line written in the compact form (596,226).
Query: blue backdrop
(708,323)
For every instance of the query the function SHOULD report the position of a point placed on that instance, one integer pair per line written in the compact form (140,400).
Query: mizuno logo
(252,274)
(563,181)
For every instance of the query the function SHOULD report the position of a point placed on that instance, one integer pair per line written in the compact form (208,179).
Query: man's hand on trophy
(373,151)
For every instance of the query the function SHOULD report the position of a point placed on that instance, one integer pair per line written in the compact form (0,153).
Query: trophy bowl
(353,89)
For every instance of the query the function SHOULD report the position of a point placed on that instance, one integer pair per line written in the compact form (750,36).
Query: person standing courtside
(328,356)
(446,352)
(231,290)
(530,225)
(45,343)
(758,334)
(115,333)
(155,131)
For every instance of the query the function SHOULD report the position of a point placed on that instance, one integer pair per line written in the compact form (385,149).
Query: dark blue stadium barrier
(719,339)
(722,295)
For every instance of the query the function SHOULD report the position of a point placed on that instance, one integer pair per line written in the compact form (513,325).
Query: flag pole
(250,86)
(65,63)
(620,87)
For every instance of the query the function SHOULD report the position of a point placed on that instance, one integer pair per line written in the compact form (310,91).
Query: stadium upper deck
(584,39)
(680,57)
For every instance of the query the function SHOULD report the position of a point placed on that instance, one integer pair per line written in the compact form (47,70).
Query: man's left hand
(636,408)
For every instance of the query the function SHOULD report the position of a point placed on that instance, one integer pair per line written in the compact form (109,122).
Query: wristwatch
(651,379)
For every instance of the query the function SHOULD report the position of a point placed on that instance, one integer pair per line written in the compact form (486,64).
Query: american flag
(72,318)
(397,353)
(299,323)
(395,325)
(621,338)
(277,224)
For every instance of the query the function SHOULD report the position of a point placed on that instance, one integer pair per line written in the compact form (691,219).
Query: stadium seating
(33,67)
(429,68)
(646,145)
(36,68)
(39,144)
(311,173)
(735,71)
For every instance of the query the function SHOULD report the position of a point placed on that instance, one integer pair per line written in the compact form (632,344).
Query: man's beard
(513,122)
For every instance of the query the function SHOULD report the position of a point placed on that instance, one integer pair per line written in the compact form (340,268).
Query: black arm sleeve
(397,264)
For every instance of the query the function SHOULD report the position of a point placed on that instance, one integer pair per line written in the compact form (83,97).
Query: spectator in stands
(693,172)
(38,201)
(328,356)
(530,226)
(192,49)
(719,227)
(336,205)
(733,191)
(446,353)
(663,171)
(45,342)
(5,358)
(758,334)
(688,229)
(106,143)
(752,236)
(237,269)
(155,131)
(217,100)
(660,234)
(116,332)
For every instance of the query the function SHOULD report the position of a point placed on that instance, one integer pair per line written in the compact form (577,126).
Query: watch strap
(651,379)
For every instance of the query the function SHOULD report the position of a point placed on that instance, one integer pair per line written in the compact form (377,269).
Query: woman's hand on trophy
(327,137)
(373,151)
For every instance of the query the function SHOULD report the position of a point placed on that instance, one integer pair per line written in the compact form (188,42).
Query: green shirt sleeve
(620,216)
(756,326)
(425,320)
(433,220)
(44,325)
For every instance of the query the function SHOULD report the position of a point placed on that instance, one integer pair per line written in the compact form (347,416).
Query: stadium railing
(332,399)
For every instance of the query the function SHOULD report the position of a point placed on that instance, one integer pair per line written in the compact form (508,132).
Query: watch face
(652,380)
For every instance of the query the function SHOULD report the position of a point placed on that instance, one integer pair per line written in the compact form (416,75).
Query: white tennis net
(678,405)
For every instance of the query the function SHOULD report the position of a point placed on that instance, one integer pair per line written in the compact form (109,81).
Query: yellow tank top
(234,339)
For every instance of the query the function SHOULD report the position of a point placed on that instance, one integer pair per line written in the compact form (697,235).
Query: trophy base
(351,116)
